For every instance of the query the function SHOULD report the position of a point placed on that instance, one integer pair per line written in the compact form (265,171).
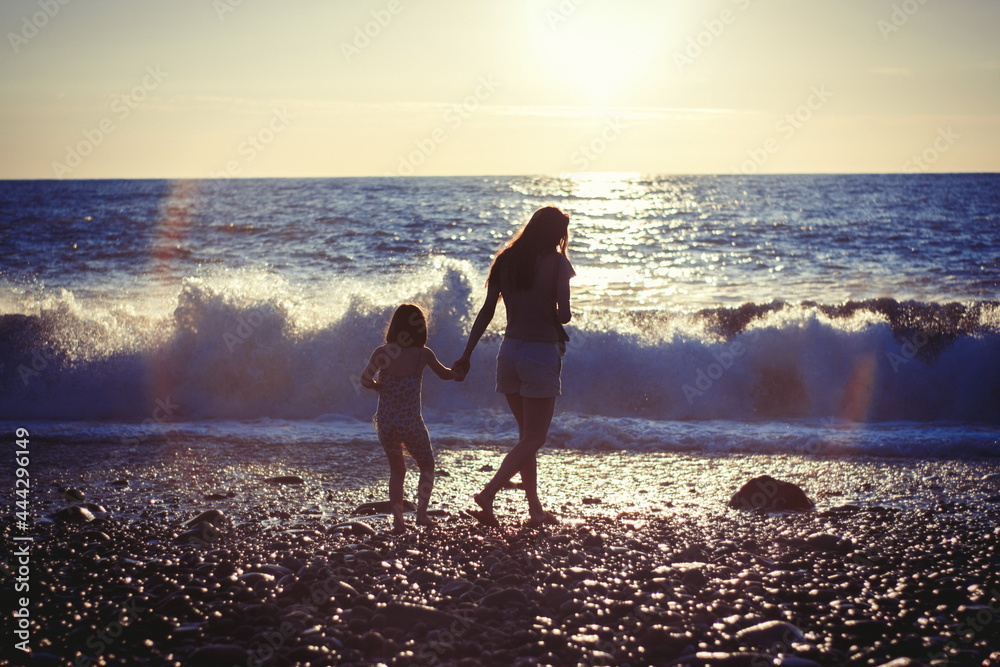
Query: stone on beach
(722,659)
(828,542)
(213,517)
(405,616)
(205,528)
(794,661)
(767,493)
(355,527)
(456,587)
(771,633)
(284,479)
(381,507)
(505,597)
(214,655)
(74,514)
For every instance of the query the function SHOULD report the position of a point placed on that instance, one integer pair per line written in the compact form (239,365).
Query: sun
(603,58)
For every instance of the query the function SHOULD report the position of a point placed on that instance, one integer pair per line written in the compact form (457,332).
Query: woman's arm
(483,320)
(563,313)
(565,272)
(439,369)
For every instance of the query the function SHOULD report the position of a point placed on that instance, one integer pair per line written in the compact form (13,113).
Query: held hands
(461,368)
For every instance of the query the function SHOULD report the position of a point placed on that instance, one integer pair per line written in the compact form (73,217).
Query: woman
(532,276)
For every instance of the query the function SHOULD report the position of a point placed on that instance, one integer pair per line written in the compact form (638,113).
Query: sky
(320,88)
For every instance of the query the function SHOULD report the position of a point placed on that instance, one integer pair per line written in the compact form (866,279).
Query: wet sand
(649,567)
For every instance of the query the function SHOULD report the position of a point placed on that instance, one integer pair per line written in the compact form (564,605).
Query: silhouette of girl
(400,364)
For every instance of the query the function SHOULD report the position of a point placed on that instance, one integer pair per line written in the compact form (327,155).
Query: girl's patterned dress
(398,422)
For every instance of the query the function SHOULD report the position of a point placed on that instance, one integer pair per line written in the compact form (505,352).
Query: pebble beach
(252,555)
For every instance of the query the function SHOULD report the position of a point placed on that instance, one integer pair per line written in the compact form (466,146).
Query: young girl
(399,365)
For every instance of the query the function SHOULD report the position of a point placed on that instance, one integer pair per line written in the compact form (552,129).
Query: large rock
(770,494)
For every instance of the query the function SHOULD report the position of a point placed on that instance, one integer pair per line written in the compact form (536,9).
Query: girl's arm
(483,320)
(439,369)
(368,375)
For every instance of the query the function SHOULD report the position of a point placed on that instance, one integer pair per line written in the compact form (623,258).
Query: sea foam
(248,346)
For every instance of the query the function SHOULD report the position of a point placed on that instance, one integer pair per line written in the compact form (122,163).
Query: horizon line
(506,175)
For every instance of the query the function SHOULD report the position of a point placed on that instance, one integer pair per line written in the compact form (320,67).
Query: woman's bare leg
(529,473)
(536,415)
(516,409)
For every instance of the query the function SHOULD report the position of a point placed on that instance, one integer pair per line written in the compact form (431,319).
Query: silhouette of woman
(532,276)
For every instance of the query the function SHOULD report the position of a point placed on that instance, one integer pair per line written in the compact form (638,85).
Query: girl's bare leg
(424,488)
(397,473)
(536,415)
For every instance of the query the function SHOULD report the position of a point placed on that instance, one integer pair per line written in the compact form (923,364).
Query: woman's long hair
(517,263)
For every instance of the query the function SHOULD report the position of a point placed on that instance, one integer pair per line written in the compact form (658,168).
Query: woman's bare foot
(541,519)
(398,527)
(426,521)
(484,516)
(487,506)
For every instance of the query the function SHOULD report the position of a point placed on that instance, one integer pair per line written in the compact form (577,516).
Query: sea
(826,315)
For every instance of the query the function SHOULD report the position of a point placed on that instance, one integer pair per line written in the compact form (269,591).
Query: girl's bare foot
(398,528)
(426,521)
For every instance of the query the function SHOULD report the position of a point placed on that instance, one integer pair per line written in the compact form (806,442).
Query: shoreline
(175,478)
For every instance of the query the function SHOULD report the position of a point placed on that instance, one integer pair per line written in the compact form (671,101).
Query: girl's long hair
(517,263)
(407,327)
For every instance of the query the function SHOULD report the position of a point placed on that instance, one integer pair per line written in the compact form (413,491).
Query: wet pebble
(214,655)
(283,480)
(456,587)
(74,514)
(381,507)
(505,597)
(353,527)
(770,633)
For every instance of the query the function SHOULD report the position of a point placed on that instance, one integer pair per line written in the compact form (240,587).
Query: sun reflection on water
(617,229)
